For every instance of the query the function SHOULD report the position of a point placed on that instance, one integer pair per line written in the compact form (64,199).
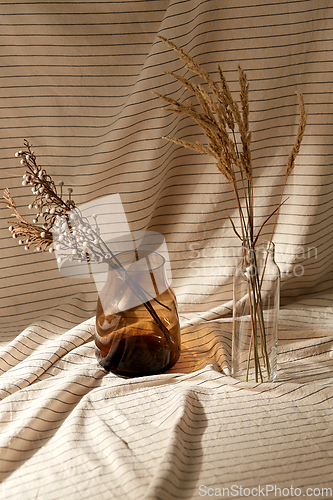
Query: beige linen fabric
(76,81)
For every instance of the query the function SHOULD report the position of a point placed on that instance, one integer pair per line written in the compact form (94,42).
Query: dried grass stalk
(221,118)
(300,133)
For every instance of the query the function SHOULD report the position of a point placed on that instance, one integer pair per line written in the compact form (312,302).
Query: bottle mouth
(262,247)
(262,243)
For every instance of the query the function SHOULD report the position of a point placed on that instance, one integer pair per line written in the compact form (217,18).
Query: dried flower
(220,118)
(47,203)
(65,229)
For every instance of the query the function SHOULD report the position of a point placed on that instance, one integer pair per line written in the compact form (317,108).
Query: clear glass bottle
(256,302)
(137,323)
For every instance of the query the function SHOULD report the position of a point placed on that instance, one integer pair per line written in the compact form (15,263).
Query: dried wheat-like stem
(192,65)
(221,119)
(219,116)
(243,125)
(300,133)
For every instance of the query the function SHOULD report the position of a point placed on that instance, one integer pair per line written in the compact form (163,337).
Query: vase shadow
(205,344)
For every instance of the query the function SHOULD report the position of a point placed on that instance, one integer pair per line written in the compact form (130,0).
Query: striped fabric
(76,81)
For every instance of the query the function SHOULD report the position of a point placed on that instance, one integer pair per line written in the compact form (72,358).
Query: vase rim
(143,254)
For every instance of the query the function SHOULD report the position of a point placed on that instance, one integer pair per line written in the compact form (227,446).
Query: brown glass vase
(137,323)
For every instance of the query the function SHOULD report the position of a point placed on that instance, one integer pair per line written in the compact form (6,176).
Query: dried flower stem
(219,116)
(65,229)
